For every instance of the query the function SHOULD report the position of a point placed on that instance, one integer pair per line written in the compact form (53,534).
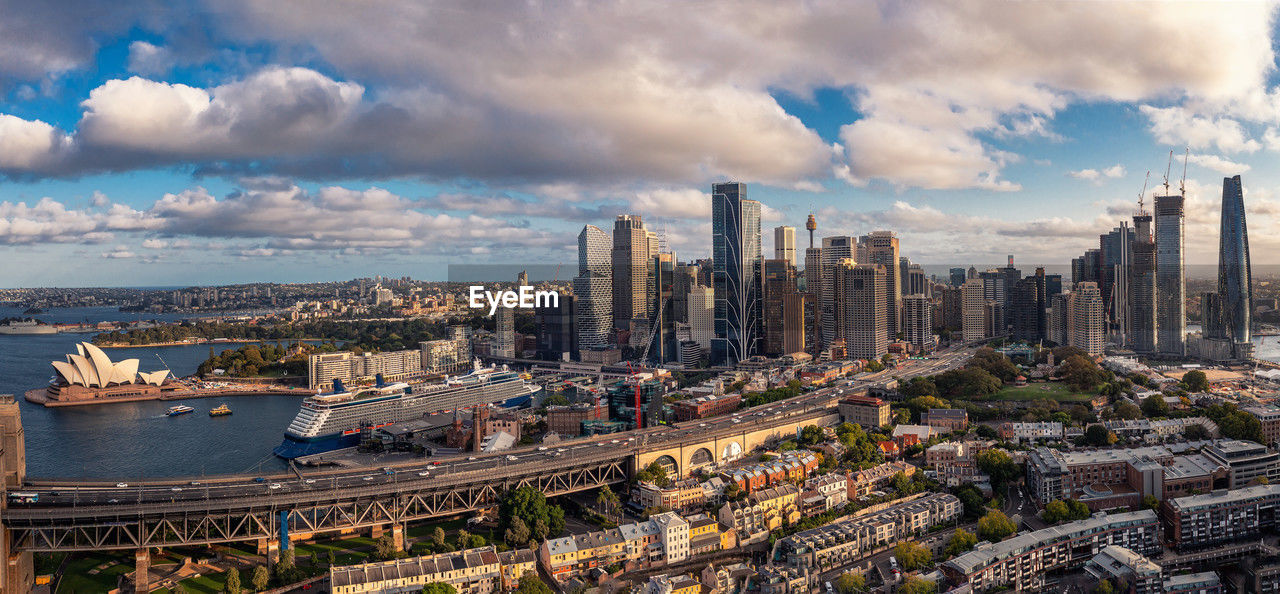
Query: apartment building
(1104,479)
(1268,416)
(473,571)
(1121,565)
(703,407)
(1220,516)
(762,512)
(514,564)
(862,482)
(575,555)
(1022,561)
(848,539)
(868,411)
(351,368)
(794,466)
(833,488)
(683,495)
(1247,460)
(1157,431)
(673,533)
(946,420)
(1020,432)
(955,463)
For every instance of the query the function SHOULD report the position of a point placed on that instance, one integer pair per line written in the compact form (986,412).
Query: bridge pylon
(17,571)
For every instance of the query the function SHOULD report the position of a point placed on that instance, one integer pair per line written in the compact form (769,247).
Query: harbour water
(135,439)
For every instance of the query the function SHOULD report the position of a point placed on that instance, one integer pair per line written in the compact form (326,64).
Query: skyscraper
(663,347)
(917,322)
(505,334)
(1235,279)
(1086,321)
(957,277)
(835,250)
(1024,310)
(631,270)
(736,257)
(779,282)
(1171,286)
(1142,285)
(702,305)
(784,244)
(592,288)
(866,315)
(973,311)
(882,249)
(1116,252)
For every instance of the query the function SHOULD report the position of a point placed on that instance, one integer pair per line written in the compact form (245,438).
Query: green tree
(919,386)
(1099,435)
(1196,432)
(439,588)
(438,536)
(986,432)
(995,526)
(849,583)
(974,503)
(1155,406)
(332,558)
(1104,587)
(1127,411)
(260,578)
(1055,511)
(517,533)
(999,466)
(994,363)
(1150,502)
(231,583)
(917,585)
(1077,510)
(912,555)
(811,435)
(1195,381)
(1080,373)
(530,583)
(530,505)
(385,548)
(962,540)
(654,473)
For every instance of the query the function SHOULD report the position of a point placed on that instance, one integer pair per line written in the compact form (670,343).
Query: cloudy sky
(185,143)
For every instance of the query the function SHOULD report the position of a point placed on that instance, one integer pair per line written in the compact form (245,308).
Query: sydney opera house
(89,375)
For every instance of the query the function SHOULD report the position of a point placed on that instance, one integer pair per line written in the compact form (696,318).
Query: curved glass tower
(736,272)
(1235,283)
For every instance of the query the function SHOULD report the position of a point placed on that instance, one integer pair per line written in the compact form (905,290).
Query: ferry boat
(181,409)
(334,420)
(222,410)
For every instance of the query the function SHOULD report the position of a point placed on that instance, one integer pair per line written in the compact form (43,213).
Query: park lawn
(345,551)
(77,579)
(424,530)
(1043,391)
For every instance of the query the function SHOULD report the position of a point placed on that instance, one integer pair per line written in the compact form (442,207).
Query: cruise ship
(332,421)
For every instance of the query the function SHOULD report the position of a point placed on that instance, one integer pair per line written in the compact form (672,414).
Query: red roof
(888,447)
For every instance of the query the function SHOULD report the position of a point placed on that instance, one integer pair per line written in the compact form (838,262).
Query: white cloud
(1096,176)
(148,59)
(119,253)
(27,145)
(1218,164)
(1181,126)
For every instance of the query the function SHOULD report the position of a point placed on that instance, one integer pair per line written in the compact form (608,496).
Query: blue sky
(290,141)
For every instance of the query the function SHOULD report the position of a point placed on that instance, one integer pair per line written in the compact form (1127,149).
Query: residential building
(866,307)
(1121,565)
(868,411)
(973,312)
(882,249)
(703,407)
(1142,285)
(1021,432)
(473,571)
(762,512)
(833,488)
(1171,287)
(1022,561)
(917,322)
(779,282)
(1087,324)
(632,257)
(849,539)
(702,316)
(673,533)
(593,288)
(948,420)
(861,483)
(1220,516)
(1268,416)
(1248,461)
(683,496)
(1103,479)
(1235,279)
(567,420)
(351,368)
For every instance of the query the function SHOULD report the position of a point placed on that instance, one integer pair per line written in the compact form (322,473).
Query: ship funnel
(337,386)
(379,381)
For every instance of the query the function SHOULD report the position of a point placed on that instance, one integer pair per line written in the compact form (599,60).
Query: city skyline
(305,153)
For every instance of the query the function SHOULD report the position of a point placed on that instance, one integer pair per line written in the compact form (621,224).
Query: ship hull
(295,447)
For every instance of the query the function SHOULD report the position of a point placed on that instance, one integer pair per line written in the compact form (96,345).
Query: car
(388,471)
(435,463)
(259,480)
(122,485)
(512,458)
(113,501)
(367,478)
(175,489)
(274,486)
(542,448)
(471,458)
(614,441)
(310,481)
(194,483)
(424,473)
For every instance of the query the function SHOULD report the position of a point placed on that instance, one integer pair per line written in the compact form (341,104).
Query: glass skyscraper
(593,288)
(736,274)
(1171,284)
(1235,281)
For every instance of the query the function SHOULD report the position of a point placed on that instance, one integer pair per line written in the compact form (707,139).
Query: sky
(176,143)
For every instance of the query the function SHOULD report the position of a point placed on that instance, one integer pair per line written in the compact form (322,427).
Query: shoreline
(40,396)
(207,341)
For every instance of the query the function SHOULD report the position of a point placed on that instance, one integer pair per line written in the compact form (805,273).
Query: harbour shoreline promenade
(40,395)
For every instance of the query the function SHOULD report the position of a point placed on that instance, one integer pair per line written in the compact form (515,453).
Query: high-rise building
(1142,285)
(834,250)
(917,322)
(784,244)
(1058,323)
(973,311)
(957,277)
(882,249)
(1025,313)
(592,289)
(505,335)
(736,254)
(1235,279)
(995,289)
(1087,318)
(1052,284)
(865,313)
(1116,249)
(813,275)
(685,278)
(1171,286)
(632,261)
(702,316)
(779,282)
(557,336)
(663,347)
(952,317)
(797,323)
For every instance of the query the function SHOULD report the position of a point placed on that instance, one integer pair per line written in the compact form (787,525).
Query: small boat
(222,410)
(181,409)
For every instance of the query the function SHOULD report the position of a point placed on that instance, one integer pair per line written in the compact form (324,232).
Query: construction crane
(1142,195)
(1182,185)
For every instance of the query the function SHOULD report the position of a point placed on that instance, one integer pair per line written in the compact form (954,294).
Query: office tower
(1235,279)
(835,250)
(865,294)
(1086,268)
(1171,287)
(952,317)
(1116,249)
(915,282)
(784,244)
(505,335)
(702,316)
(631,270)
(1025,315)
(663,347)
(779,281)
(1052,284)
(797,323)
(996,291)
(972,273)
(1042,302)
(973,311)
(957,277)
(735,251)
(685,277)
(1142,285)
(1087,322)
(1058,317)
(882,249)
(593,288)
(557,335)
(917,322)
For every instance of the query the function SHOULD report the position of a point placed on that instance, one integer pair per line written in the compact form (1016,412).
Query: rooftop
(988,553)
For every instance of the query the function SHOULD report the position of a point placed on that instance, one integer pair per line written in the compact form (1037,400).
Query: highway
(444,472)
